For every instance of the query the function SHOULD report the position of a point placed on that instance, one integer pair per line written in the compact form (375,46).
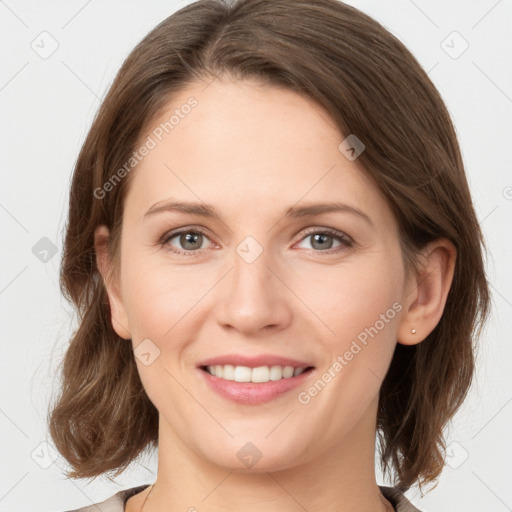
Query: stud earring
(413,331)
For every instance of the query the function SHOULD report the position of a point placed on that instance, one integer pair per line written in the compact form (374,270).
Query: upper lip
(253,361)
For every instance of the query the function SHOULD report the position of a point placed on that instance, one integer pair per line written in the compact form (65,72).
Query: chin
(243,456)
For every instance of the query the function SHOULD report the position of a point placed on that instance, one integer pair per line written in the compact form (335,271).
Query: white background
(47,106)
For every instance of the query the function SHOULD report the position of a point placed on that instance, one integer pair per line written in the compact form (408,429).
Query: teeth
(259,374)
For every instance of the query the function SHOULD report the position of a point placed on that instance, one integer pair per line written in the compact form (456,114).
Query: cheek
(354,296)
(160,302)
(159,296)
(361,306)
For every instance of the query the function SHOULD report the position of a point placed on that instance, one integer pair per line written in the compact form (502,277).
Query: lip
(254,361)
(251,393)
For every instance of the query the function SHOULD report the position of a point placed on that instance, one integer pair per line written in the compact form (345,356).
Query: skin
(251,151)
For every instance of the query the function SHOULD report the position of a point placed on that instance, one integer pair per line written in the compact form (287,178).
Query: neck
(341,478)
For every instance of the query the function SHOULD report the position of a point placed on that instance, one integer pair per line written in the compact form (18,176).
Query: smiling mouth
(260,374)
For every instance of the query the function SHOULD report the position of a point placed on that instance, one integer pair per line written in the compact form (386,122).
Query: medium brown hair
(373,87)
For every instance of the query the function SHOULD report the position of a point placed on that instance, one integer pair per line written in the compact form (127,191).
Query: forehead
(248,147)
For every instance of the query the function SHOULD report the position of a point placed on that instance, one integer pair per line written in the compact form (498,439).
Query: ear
(119,317)
(426,293)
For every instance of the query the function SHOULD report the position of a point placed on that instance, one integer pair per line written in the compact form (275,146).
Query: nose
(254,297)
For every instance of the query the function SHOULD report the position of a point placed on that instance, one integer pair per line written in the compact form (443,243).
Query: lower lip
(251,393)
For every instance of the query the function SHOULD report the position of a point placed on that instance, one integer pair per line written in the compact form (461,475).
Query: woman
(235,141)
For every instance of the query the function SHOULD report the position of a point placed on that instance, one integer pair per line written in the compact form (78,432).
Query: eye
(189,241)
(322,240)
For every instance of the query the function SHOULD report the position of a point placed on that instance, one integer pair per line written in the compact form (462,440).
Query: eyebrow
(208,211)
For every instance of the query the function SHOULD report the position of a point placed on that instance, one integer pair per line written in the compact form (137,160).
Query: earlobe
(426,296)
(119,318)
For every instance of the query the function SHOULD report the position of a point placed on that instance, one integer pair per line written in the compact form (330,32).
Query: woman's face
(255,275)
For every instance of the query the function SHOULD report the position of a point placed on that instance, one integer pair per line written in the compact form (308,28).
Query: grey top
(117,502)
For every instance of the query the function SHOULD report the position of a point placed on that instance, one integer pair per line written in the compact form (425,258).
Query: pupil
(190,238)
(318,236)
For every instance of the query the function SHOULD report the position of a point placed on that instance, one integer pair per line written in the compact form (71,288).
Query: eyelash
(345,240)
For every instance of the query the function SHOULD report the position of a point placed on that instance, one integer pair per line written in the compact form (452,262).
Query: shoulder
(398,499)
(115,503)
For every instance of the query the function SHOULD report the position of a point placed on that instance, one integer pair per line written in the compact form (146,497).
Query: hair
(373,87)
